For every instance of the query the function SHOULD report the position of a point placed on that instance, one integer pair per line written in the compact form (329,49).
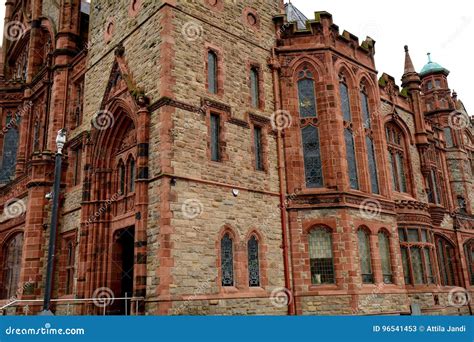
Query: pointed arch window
(12,253)
(227,260)
(365,256)
(384,250)
(253,262)
(10,148)
(212,81)
(446,261)
(397,157)
(348,133)
(309,129)
(469,255)
(321,256)
(369,141)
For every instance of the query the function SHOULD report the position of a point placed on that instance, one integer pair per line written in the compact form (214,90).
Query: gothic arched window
(309,130)
(254,87)
(212,81)
(253,261)
(10,148)
(369,141)
(11,266)
(348,133)
(384,250)
(397,157)
(365,256)
(446,261)
(321,256)
(227,260)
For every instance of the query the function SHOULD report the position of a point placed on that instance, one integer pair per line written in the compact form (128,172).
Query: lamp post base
(46,313)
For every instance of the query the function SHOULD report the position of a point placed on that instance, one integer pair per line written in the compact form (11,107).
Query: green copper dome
(432,68)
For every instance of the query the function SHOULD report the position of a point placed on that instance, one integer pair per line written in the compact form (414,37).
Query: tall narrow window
(384,249)
(215,133)
(10,148)
(121,178)
(257,136)
(70,260)
(254,87)
(433,190)
(448,137)
(397,157)
(131,175)
(321,256)
(212,72)
(348,134)
(469,254)
(11,266)
(446,261)
(253,262)
(309,130)
(369,142)
(365,257)
(227,260)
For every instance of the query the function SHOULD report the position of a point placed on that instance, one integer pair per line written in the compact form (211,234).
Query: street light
(60,142)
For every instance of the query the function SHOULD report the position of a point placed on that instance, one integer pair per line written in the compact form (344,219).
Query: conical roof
(294,15)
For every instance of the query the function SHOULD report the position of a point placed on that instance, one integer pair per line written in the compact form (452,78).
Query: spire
(410,78)
(409,68)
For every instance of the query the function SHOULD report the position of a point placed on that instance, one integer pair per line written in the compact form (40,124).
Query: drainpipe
(283,213)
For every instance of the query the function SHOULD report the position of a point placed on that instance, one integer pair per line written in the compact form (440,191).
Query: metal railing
(101,303)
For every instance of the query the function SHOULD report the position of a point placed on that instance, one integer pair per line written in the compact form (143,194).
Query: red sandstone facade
(213,165)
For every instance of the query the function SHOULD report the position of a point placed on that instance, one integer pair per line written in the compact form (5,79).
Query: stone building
(227,157)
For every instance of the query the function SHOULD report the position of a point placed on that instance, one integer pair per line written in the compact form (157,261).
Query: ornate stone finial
(406,48)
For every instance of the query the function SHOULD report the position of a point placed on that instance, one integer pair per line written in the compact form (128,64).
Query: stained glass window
(212,72)
(253,262)
(365,110)
(312,157)
(345,102)
(372,165)
(406,265)
(384,248)
(433,192)
(351,159)
(10,148)
(227,260)
(254,87)
(215,132)
(257,135)
(469,254)
(402,181)
(321,256)
(417,265)
(11,266)
(306,96)
(365,257)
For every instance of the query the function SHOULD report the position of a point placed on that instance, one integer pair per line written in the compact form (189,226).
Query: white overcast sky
(444,28)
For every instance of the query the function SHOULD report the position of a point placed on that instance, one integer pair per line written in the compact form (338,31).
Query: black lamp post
(60,141)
